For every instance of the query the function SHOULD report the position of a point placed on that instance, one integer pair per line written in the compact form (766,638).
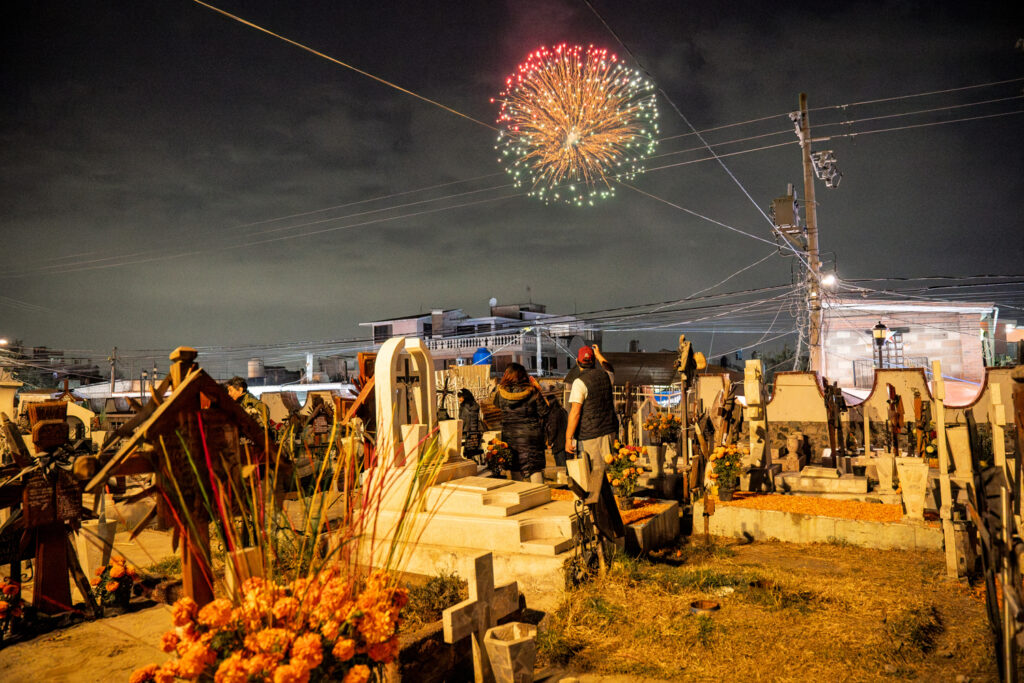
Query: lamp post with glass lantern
(878,332)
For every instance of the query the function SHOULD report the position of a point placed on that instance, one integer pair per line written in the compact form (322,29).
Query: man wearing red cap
(592,408)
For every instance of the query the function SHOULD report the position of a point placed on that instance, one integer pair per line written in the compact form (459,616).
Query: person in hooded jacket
(469,413)
(523,412)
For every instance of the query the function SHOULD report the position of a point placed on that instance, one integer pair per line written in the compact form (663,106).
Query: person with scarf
(523,412)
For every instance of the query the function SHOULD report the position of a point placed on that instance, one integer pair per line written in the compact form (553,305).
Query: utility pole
(113,364)
(813,261)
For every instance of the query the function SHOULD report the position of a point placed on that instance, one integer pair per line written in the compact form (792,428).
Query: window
(381,333)
(428,330)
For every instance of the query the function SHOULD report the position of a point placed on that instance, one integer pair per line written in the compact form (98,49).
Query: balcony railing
(491,342)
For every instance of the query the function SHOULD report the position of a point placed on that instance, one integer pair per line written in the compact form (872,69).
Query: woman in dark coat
(469,413)
(523,411)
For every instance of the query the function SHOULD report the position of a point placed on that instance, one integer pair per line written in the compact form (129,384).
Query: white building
(520,333)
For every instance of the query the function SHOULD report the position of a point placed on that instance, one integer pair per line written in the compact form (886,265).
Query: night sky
(170,176)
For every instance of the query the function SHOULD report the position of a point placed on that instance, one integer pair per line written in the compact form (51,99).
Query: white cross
(485,606)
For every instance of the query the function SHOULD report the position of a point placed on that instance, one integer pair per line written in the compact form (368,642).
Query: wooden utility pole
(113,367)
(813,260)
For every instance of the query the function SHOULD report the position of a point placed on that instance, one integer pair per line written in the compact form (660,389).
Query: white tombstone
(404,390)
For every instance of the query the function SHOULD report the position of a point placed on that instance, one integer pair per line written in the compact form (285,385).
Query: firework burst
(572,120)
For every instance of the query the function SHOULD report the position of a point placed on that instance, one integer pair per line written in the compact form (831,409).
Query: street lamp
(878,332)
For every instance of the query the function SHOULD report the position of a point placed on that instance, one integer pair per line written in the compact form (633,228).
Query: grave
(530,534)
(822,480)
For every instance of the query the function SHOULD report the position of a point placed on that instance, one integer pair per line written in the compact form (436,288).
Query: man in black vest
(592,409)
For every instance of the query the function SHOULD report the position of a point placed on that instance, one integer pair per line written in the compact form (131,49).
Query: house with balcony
(544,343)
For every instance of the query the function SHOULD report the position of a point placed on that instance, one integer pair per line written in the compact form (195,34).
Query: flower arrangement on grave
(12,607)
(305,613)
(623,468)
(326,627)
(725,469)
(663,426)
(498,456)
(113,583)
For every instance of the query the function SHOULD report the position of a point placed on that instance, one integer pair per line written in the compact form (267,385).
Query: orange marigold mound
(824,507)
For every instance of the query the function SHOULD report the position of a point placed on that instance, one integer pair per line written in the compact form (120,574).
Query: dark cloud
(139,131)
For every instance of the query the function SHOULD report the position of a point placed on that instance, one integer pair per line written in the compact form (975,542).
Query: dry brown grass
(789,613)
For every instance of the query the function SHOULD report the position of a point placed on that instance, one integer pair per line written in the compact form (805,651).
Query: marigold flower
(3,608)
(167,672)
(632,458)
(270,640)
(285,609)
(11,588)
(330,630)
(307,649)
(384,652)
(360,673)
(291,673)
(184,611)
(608,459)
(169,641)
(112,586)
(231,670)
(95,581)
(344,649)
(144,674)
(117,571)
(195,660)
(216,614)
(615,482)
(100,570)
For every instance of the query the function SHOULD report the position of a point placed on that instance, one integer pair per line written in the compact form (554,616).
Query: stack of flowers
(12,607)
(113,583)
(725,462)
(321,628)
(498,456)
(663,426)
(623,470)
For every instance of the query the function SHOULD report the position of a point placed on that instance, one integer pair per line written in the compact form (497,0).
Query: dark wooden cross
(408,380)
(835,406)
(51,510)
(894,421)
(445,392)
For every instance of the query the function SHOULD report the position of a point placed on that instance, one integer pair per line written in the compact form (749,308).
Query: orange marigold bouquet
(726,465)
(113,583)
(324,627)
(663,426)
(498,456)
(623,469)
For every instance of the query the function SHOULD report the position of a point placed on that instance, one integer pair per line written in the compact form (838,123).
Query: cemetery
(257,424)
(742,506)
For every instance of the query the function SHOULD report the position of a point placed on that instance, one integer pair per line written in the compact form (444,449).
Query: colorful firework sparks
(574,119)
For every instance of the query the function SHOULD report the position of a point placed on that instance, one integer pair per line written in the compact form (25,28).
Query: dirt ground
(788,613)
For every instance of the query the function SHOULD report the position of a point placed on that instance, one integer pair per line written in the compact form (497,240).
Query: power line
(341,63)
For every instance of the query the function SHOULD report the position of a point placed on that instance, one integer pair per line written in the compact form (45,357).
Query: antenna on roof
(528,295)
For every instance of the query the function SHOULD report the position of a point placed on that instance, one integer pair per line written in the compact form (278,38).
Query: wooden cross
(408,380)
(895,421)
(485,606)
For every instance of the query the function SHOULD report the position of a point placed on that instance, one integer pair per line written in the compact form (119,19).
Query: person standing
(469,413)
(238,390)
(592,409)
(555,429)
(523,411)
